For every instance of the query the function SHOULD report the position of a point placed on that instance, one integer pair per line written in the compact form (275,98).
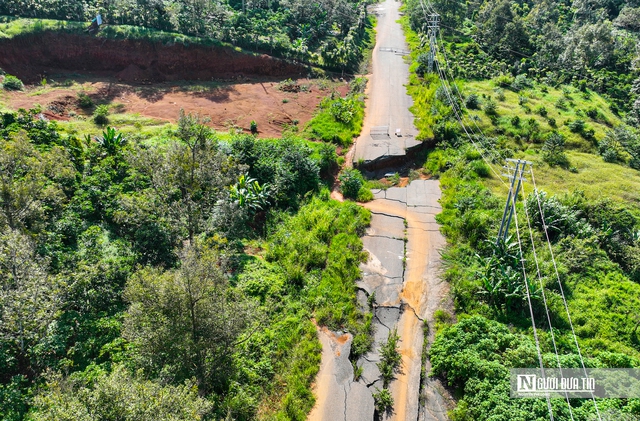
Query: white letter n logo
(526,382)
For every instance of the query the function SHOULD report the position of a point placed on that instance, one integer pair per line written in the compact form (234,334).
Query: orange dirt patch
(226,104)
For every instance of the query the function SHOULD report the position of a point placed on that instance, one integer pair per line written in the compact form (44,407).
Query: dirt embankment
(32,56)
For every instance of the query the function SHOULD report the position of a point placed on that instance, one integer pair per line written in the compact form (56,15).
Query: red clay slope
(32,56)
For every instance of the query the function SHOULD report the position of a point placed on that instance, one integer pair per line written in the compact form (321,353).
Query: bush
(253,127)
(472,102)
(504,81)
(541,110)
(12,83)
(552,122)
(490,108)
(500,94)
(84,100)
(515,121)
(576,126)
(383,400)
(350,182)
(520,82)
(364,195)
(480,168)
(561,104)
(553,150)
(343,110)
(101,115)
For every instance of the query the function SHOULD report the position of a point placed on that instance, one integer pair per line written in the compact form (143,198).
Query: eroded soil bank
(32,56)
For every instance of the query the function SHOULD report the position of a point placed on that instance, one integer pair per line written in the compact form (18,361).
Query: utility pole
(433,24)
(516,174)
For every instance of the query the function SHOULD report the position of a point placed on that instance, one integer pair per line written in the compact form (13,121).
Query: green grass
(577,105)
(11,27)
(323,126)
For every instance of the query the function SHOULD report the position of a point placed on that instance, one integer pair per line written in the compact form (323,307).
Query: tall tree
(29,297)
(186,323)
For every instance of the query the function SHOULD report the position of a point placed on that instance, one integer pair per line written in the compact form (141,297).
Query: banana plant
(110,140)
(248,193)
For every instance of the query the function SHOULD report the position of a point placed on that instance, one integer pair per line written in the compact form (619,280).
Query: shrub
(541,110)
(576,126)
(253,126)
(12,83)
(520,82)
(561,104)
(593,113)
(552,122)
(350,182)
(357,85)
(383,400)
(522,100)
(480,168)
(364,195)
(472,102)
(553,150)
(390,358)
(490,108)
(504,81)
(343,109)
(101,115)
(84,100)
(515,121)
(500,94)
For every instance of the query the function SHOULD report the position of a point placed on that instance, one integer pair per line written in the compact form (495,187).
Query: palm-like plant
(110,140)
(248,193)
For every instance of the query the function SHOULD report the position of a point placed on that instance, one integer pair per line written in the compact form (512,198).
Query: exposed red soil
(226,104)
(149,79)
(32,55)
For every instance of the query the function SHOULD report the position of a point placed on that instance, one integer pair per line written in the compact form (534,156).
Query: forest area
(556,83)
(173,279)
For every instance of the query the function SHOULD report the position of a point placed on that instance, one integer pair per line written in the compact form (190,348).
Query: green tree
(29,180)
(189,178)
(29,298)
(118,396)
(186,322)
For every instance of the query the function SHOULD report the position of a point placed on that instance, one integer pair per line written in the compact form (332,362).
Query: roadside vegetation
(180,271)
(580,130)
(339,120)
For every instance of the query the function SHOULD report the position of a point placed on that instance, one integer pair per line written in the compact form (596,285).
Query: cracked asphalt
(403,242)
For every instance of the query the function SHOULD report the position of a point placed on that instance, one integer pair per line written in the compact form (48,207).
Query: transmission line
(526,284)
(564,300)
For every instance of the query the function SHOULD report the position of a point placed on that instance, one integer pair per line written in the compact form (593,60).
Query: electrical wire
(526,284)
(564,300)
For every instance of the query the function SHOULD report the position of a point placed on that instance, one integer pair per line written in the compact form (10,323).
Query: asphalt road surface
(388,103)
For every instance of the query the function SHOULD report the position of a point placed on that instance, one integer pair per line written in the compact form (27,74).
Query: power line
(526,284)
(564,300)
(544,296)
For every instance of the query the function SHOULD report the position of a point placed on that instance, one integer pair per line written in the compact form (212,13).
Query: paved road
(402,271)
(388,103)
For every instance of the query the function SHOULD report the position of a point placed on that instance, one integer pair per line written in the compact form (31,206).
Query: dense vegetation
(583,141)
(174,279)
(332,33)
(590,43)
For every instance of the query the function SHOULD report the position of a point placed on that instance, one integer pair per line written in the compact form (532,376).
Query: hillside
(484,103)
